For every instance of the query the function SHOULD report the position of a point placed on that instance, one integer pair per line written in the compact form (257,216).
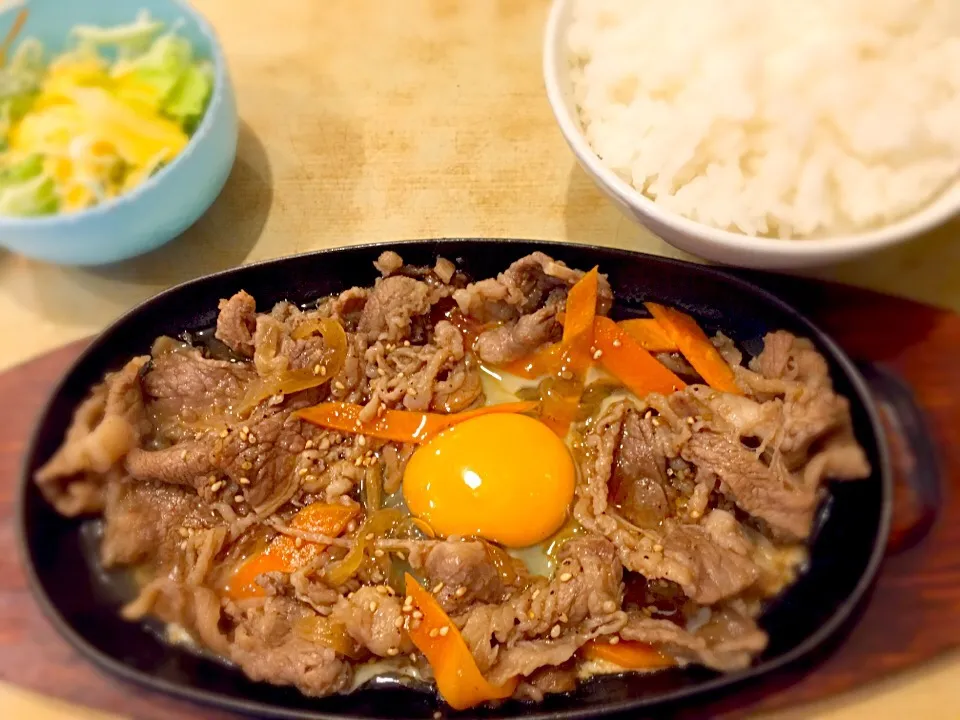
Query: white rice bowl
(777,118)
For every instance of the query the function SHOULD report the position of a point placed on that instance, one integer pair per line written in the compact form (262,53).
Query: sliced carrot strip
(650,334)
(696,347)
(458,678)
(629,655)
(581,308)
(636,368)
(561,394)
(283,554)
(399,425)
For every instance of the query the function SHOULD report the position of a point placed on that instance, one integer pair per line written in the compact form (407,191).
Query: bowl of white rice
(770,134)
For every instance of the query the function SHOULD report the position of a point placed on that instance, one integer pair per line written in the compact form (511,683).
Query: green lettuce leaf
(165,63)
(20,82)
(25,189)
(188,100)
(184,84)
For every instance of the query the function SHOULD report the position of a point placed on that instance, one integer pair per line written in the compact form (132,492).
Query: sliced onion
(286,382)
(377,524)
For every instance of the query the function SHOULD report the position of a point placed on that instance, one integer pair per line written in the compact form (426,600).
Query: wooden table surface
(369,120)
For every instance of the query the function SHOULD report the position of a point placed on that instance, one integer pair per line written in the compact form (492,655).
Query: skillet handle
(917,495)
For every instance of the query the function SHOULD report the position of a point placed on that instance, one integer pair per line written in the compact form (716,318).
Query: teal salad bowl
(175,196)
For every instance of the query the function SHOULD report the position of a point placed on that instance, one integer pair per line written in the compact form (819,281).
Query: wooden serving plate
(910,617)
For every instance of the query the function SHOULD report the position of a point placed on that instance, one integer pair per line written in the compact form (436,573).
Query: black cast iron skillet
(845,554)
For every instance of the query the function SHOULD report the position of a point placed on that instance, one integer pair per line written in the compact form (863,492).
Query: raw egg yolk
(507,478)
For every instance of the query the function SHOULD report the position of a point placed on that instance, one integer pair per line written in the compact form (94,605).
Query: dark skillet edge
(721,682)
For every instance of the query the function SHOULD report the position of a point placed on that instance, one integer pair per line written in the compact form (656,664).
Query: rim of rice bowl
(729,246)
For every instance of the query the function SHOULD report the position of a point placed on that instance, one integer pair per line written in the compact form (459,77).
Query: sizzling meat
(284,545)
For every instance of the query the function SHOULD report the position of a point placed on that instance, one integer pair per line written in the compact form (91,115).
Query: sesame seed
(393,652)
(536,593)
(461,591)
(323,369)
(598,354)
(372,606)
(433,633)
(216,486)
(563,617)
(358,461)
(444,630)
(617,343)
(381,589)
(184,532)
(316,369)
(695,514)
(303,471)
(298,542)
(408,600)
(183,455)
(690,421)
(245,430)
(400,375)
(555,632)
(212,479)
(308,444)
(437,588)
(223,433)
(417,615)
(614,640)
(378,553)
(670,472)
(361,440)
(658,548)
(370,536)
(239,499)
(339,385)
(656,422)
(566,577)
(244,481)
(406,343)
(352,526)
(398,623)
(413,657)
(648,414)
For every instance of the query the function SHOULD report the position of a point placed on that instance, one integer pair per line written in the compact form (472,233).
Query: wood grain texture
(910,618)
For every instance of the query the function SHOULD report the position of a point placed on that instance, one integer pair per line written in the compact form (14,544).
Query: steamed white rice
(789,118)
